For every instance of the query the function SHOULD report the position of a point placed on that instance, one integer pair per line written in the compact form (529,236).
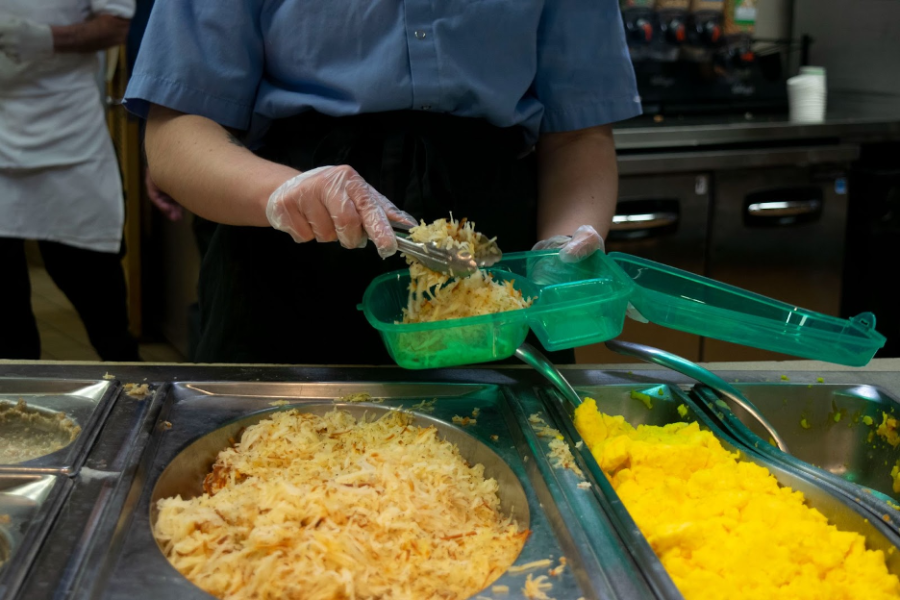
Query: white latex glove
(24,40)
(574,248)
(335,203)
(635,314)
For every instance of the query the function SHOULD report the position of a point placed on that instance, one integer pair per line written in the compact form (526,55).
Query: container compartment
(198,419)
(84,403)
(28,505)
(443,343)
(617,400)
(579,304)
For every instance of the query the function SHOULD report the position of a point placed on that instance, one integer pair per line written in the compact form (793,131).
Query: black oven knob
(639,31)
(674,30)
(708,32)
(743,59)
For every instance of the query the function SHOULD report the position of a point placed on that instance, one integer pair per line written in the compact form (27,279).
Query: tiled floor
(63,336)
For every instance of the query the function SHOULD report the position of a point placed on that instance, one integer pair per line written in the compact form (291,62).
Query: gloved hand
(574,248)
(335,203)
(635,314)
(24,40)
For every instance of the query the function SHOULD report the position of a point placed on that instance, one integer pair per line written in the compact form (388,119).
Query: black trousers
(264,298)
(92,281)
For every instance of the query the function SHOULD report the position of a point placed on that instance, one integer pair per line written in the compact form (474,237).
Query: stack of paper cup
(807,96)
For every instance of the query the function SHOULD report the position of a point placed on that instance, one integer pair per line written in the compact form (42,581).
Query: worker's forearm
(203,167)
(578,181)
(98,33)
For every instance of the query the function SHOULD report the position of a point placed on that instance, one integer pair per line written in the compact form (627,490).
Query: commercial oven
(779,232)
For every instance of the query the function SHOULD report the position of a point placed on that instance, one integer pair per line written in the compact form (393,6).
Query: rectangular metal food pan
(617,400)
(839,448)
(85,402)
(28,505)
(80,536)
(136,568)
(829,426)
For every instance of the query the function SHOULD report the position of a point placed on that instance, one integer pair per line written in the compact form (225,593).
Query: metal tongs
(456,263)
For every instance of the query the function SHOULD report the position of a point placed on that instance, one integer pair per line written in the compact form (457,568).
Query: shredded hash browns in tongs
(443,256)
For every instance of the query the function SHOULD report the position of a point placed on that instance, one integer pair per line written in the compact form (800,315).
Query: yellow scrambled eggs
(722,527)
(888,429)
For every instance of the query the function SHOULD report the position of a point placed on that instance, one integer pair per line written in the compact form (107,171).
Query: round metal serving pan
(185,473)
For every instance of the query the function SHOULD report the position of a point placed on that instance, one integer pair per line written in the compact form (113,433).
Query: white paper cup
(815,71)
(807,96)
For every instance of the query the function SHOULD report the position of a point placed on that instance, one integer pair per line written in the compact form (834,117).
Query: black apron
(265,299)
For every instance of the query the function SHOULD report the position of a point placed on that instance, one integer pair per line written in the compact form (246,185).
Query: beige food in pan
(26,433)
(308,506)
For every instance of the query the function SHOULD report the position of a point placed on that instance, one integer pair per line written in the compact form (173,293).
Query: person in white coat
(59,179)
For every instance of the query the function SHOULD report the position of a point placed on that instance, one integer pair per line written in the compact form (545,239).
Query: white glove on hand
(335,203)
(24,40)
(635,314)
(574,248)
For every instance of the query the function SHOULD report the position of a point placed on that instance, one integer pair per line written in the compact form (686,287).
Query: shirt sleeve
(117,8)
(200,57)
(584,73)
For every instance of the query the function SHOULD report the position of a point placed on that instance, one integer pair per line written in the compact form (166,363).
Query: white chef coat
(59,179)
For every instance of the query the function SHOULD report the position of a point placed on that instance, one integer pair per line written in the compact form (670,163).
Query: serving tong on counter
(452,262)
(713,382)
(531,356)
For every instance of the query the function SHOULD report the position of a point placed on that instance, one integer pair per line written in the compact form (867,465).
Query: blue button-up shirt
(547,65)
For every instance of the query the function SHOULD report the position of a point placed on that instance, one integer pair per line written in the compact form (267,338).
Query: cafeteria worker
(59,179)
(305,127)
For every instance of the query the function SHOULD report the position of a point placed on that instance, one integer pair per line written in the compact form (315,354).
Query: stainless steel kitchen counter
(884,372)
(103,488)
(851,118)
(881,371)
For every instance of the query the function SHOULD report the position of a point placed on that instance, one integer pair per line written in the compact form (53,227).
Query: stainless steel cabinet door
(663,218)
(778,232)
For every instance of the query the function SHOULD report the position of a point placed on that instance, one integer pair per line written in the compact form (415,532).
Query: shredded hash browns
(310,507)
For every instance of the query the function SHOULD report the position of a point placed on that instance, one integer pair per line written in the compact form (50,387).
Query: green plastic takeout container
(443,343)
(585,303)
(687,302)
(576,304)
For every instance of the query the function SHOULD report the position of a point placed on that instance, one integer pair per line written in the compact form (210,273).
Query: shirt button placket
(422,55)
